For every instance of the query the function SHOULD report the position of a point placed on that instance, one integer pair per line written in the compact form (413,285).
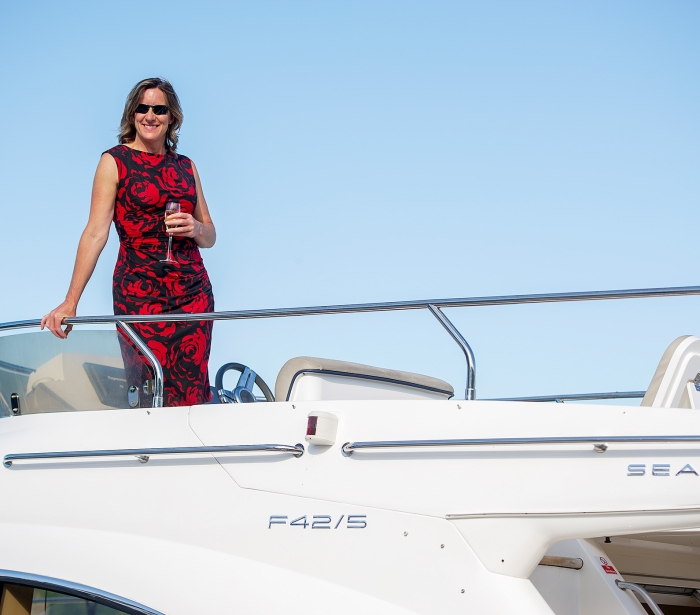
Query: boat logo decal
(659,469)
(320,522)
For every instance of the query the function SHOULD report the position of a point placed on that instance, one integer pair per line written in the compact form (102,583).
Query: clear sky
(383,150)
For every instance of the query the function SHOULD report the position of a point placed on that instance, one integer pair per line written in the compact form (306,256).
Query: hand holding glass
(171,207)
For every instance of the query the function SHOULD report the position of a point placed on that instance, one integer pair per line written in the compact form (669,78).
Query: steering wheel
(243,393)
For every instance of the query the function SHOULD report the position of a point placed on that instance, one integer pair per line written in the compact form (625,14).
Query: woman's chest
(146,190)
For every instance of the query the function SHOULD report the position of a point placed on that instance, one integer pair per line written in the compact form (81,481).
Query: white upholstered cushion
(300,365)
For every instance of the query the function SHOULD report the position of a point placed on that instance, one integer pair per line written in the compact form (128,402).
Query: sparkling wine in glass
(171,207)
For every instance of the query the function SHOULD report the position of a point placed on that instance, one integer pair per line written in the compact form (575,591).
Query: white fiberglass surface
(86,371)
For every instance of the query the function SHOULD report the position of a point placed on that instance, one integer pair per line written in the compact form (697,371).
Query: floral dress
(144,285)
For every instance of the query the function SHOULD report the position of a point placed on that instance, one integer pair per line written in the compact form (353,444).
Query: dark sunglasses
(157,109)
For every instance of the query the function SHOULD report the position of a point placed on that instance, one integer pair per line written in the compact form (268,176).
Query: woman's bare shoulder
(107,167)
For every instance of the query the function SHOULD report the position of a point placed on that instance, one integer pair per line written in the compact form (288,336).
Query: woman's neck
(151,148)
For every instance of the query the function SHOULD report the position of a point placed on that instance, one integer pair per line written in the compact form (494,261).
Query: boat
(343,488)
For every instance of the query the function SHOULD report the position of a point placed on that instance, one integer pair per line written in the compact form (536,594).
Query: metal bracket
(132,396)
(15,407)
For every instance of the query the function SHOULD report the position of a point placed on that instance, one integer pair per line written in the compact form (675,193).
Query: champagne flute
(171,207)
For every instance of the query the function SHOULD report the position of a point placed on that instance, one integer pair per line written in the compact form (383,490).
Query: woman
(133,183)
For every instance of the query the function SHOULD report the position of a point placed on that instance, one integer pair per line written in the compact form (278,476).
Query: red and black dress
(144,285)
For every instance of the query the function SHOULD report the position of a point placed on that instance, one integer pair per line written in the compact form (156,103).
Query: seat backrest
(313,379)
(679,365)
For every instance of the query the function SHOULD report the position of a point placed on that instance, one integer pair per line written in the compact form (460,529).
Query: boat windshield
(90,370)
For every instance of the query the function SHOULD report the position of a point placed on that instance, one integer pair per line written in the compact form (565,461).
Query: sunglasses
(157,109)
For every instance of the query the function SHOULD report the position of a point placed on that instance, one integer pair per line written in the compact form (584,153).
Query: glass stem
(170,246)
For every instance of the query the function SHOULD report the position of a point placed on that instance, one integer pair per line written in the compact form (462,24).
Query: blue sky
(384,150)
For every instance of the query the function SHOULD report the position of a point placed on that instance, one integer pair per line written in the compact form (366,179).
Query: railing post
(470,392)
(155,364)
(640,591)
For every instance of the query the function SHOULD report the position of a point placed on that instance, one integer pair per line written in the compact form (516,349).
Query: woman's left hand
(183,225)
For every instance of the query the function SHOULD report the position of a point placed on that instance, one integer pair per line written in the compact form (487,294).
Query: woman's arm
(92,241)
(200,226)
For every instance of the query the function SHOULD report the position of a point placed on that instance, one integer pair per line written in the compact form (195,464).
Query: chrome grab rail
(573,563)
(470,392)
(575,397)
(599,295)
(143,454)
(653,607)
(155,364)
(599,442)
(434,305)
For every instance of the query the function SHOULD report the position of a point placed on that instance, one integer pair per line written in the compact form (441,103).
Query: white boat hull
(448,529)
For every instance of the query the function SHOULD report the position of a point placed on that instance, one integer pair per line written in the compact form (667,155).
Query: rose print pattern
(144,285)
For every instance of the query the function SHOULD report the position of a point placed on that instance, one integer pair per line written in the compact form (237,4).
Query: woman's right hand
(54,319)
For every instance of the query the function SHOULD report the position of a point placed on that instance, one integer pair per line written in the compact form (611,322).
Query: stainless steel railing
(642,593)
(599,295)
(470,391)
(600,443)
(153,360)
(143,454)
(435,306)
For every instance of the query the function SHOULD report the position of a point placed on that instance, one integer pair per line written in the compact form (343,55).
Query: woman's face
(151,129)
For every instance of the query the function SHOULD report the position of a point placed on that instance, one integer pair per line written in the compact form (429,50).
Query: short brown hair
(127,130)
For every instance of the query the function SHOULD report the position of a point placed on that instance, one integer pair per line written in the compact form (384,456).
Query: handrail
(653,607)
(434,305)
(143,454)
(573,563)
(470,391)
(155,364)
(599,442)
(575,397)
(373,307)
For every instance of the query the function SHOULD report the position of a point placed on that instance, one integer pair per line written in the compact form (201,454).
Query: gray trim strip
(576,513)
(78,590)
(15,369)
(575,397)
(658,578)
(366,377)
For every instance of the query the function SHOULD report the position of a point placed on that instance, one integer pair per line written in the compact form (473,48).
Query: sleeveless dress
(144,285)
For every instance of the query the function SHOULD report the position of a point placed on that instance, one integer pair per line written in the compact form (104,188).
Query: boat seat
(313,379)
(679,365)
